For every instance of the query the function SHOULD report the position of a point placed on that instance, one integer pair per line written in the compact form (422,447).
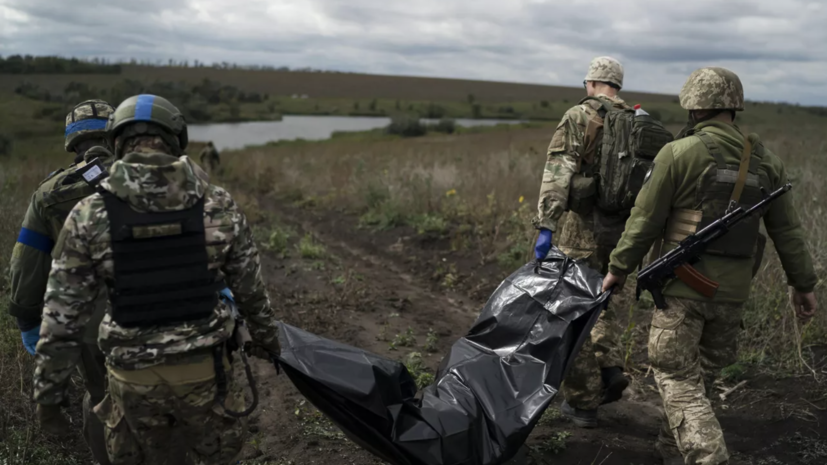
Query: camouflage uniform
(161,404)
(573,149)
(691,340)
(31,259)
(209,157)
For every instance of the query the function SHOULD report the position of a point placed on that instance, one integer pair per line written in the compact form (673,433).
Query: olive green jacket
(672,185)
(31,257)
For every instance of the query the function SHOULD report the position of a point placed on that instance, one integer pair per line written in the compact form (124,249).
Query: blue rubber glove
(543,244)
(30,339)
(227,295)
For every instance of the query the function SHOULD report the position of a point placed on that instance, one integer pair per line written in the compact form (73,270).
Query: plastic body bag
(490,390)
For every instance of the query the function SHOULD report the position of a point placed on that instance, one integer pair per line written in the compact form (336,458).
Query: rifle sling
(695,280)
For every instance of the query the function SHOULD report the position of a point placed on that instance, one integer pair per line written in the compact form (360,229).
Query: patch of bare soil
(387,292)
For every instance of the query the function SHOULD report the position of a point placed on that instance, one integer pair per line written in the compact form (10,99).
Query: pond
(237,135)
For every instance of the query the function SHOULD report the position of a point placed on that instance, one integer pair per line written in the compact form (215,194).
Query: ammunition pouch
(582,194)
(722,184)
(681,224)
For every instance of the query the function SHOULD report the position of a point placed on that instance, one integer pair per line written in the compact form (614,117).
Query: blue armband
(36,240)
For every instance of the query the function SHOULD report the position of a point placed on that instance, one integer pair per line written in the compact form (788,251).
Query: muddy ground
(375,290)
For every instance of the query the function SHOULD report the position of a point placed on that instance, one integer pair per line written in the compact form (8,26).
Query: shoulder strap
(757,154)
(743,169)
(605,107)
(713,149)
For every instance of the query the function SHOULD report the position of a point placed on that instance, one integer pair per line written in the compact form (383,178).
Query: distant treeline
(18,64)
(28,64)
(194,100)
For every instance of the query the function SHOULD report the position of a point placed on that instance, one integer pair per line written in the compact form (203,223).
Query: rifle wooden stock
(698,282)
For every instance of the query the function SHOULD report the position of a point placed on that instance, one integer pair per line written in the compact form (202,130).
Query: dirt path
(391,293)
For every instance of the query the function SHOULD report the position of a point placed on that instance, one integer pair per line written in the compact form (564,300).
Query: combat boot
(615,383)
(580,417)
(667,448)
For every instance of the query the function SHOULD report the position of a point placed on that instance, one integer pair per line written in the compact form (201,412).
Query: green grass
(309,249)
(479,191)
(279,240)
(21,171)
(420,374)
(554,443)
(314,423)
(406,339)
(431,340)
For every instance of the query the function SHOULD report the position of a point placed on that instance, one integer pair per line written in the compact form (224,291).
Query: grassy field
(480,191)
(267,94)
(476,191)
(328,85)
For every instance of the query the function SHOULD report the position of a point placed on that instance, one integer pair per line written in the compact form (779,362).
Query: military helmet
(148,114)
(606,69)
(87,120)
(712,89)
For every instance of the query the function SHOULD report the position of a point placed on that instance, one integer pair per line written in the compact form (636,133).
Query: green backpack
(629,146)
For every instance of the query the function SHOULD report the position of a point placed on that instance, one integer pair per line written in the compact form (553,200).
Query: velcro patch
(156,230)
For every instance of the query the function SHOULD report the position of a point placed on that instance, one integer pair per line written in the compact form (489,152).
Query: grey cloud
(776,46)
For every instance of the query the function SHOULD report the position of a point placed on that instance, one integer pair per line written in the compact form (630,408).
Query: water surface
(237,135)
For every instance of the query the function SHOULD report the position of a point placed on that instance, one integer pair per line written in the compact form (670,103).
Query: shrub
(434,111)
(406,126)
(445,125)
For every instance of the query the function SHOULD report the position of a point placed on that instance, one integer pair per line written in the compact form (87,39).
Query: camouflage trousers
(689,343)
(592,239)
(167,415)
(93,370)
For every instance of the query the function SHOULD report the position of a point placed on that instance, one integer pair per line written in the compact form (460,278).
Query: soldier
(31,260)
(163,241)
(693,181)
(209,155)
(596,376)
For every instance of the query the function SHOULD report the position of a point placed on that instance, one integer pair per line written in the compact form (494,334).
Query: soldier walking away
(163,242)
(692,183)
(31,258)
(209,157)
(588,174)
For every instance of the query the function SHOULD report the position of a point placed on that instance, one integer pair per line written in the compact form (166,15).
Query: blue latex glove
(543,244)
(227,295)
(30,339)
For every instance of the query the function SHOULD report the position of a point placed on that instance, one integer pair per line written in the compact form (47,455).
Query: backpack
(627,151)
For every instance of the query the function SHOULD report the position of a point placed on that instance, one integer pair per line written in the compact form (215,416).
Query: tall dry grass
(20,441)
(481,190)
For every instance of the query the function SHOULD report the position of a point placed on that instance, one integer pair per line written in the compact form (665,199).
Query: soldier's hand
(613,280)
(266,353)
(52,422)
(804,304)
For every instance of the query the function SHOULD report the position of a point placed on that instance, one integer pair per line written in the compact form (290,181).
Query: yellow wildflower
(451,192)
(521,199)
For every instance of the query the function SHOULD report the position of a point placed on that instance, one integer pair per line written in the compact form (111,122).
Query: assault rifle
(678,262)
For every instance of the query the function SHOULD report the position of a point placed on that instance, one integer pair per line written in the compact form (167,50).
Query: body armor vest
(715,189)
(160,264)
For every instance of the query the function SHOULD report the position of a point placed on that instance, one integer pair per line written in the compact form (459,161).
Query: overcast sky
(778,47)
